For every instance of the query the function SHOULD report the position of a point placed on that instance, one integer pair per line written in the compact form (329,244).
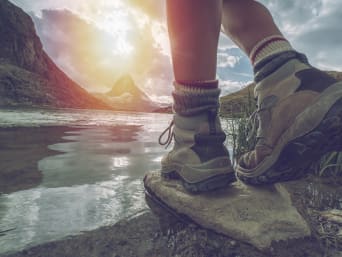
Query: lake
(67,171)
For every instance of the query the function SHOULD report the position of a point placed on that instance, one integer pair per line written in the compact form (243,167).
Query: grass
(242,141)
(239,127)
(329,165)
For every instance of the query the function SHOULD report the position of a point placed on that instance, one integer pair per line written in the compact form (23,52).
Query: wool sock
(195,97)
(267,47)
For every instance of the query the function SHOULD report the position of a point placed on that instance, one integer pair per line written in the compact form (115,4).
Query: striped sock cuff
(196,85)
(269,46)
(192,100)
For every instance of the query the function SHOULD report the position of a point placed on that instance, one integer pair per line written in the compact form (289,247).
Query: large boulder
(286,219)
(257,216)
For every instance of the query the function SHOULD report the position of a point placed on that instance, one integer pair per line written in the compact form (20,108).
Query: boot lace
(170,135)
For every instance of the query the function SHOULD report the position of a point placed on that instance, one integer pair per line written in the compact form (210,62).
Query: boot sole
(210,184)
(298,154)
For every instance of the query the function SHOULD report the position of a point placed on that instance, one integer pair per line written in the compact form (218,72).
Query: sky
(96,42)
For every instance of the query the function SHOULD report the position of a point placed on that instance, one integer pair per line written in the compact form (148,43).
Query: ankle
(267,47)
(194,98)
(270,64)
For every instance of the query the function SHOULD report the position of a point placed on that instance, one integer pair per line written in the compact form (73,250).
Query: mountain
(126,95)
(96,53)
(28,77)
(234,104)
(125,84)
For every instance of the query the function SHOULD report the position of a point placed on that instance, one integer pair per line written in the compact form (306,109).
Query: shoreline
(136,236)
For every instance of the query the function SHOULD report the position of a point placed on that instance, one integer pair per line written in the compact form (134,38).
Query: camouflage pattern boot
(198,158)
(299,119)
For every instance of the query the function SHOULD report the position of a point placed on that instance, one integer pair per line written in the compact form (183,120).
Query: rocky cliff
(28,77)
(126,95)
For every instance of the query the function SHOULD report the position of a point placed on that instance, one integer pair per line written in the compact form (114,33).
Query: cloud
(92,55)
(229,86)
(312,26)
(292,14)
(233,65)
(226,60)
(154,8)
(78,47)
(322,40)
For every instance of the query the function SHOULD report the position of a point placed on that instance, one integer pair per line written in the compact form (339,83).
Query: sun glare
(123,48)
(117,24)
(159,32)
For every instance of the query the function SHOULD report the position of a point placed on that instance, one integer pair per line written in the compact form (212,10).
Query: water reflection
(46,214)
(91,177)
(20,151)
(95,154)
(119,162)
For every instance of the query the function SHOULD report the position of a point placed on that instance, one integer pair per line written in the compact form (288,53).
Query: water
(92,165)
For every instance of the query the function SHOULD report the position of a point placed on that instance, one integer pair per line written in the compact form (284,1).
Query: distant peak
(126,84)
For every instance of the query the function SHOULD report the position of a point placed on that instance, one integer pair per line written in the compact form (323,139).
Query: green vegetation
(237,109)
(329,165)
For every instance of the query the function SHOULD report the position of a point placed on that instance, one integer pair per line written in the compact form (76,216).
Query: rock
(127,96)
(131,237)
(258,216)
(28,77)
(317,201)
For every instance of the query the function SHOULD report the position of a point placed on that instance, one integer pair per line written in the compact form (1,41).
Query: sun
(117,27)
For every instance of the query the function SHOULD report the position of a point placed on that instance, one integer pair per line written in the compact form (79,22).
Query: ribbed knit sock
(267,47)
(271,53)
(195,97)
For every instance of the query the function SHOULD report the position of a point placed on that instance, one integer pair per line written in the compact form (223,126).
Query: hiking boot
(198,158)
(299,118)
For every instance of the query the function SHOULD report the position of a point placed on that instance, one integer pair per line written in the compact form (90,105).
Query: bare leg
(194,28)
(199,157)
(247,22)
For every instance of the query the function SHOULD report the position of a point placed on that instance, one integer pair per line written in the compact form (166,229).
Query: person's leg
(199,157)
(299,107)
(194,27)
(247,22)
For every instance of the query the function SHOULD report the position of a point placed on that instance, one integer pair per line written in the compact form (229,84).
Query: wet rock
(257,216)
(132,237)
